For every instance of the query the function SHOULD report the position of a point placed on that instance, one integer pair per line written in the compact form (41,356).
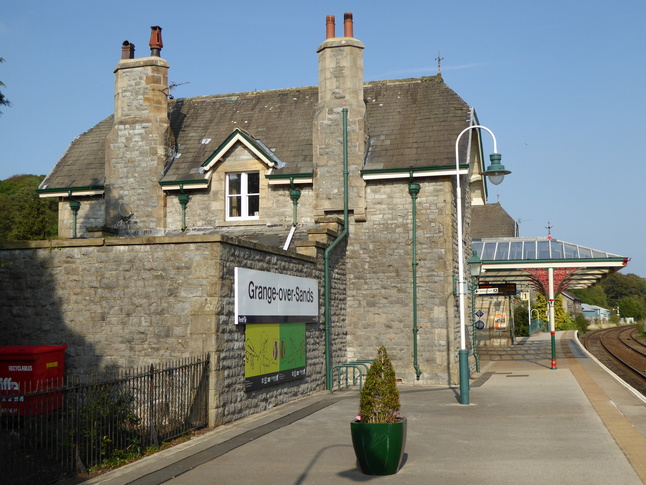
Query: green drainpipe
(413,190)
(183,201)
(344,233)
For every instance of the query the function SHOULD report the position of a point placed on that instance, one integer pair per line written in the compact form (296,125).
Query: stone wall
(380,279)
(124,303)
(90,214)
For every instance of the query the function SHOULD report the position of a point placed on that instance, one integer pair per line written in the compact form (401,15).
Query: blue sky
(560,83)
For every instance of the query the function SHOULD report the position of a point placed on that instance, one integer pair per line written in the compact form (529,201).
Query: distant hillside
(24,215)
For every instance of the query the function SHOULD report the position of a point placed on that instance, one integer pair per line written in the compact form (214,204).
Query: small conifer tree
(379,400)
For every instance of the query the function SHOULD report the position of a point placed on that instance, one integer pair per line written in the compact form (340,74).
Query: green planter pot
(379,446)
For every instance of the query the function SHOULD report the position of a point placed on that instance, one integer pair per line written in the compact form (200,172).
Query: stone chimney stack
(139,145)
(340,86)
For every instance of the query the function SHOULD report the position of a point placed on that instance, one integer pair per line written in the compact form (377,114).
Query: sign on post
(501,289)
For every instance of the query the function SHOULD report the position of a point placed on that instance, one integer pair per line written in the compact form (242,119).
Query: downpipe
(328,251)
(413,190)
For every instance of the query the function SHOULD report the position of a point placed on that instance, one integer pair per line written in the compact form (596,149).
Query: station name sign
(262,297)
(500,289)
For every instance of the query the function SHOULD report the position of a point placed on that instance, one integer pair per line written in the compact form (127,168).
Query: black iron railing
(55,429)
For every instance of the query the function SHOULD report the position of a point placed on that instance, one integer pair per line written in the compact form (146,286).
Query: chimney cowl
(127,50)
(155,43)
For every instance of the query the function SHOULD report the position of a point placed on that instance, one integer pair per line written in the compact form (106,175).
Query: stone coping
(151,240)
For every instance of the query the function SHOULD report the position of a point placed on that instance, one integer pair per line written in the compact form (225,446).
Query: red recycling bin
(29,374)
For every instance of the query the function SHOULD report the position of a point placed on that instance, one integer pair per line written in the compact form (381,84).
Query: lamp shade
(475,265)
(496,171)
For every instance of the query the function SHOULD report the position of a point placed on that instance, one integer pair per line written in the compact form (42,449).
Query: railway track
(623,351)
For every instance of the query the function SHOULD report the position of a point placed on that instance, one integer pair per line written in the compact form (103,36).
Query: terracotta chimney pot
(348,25)
(329,27)
(156,43)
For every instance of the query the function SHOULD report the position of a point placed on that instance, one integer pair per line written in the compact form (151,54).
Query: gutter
(71,191)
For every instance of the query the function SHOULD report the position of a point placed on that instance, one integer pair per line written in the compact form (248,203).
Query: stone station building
(159,202)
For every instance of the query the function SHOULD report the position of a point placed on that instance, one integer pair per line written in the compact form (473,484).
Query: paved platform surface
(526,424)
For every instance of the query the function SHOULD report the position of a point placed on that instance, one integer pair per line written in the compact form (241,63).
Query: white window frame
(244,197)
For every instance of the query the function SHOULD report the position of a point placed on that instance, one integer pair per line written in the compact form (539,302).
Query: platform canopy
(526,260)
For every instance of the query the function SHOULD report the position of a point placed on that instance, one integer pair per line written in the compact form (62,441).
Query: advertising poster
(500,321)
(275,309)
(275,353)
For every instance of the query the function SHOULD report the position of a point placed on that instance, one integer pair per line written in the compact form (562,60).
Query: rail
(357,366)
(626,360)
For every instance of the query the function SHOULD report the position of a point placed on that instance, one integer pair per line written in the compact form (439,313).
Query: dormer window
(243,196)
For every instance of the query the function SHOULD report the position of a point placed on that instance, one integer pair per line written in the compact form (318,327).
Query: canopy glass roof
(535,248)
(525,260)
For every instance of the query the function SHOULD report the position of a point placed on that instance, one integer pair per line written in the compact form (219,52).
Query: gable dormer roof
(255,146)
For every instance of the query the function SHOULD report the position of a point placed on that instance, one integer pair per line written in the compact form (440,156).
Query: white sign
(263,297)
(486,291)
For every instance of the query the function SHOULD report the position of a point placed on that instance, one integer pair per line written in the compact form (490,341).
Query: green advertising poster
(275,353)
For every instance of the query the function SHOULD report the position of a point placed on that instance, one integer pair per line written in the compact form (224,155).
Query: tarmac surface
(526,424)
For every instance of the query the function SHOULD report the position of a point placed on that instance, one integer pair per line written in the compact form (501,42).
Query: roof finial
(439,59)
(549,230)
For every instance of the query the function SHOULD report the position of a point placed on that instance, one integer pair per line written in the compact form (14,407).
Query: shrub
(581,323)
(379,399)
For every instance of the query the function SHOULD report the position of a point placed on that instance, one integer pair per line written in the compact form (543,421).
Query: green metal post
(512,327)
(75,205)
(550,306)
(474,286)
(413,190)
(328,250)
(463,355)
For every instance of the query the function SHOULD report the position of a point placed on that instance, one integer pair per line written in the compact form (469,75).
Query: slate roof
(410,123)
(413,122)
(83,163)
(282,120)
(491,220)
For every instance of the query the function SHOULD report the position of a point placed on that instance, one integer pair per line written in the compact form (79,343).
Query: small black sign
(503,289)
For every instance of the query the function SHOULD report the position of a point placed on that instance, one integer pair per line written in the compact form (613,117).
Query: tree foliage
(24,215)
(595,295)
(562,319)
(624,291)
(521,319)
(3,100)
